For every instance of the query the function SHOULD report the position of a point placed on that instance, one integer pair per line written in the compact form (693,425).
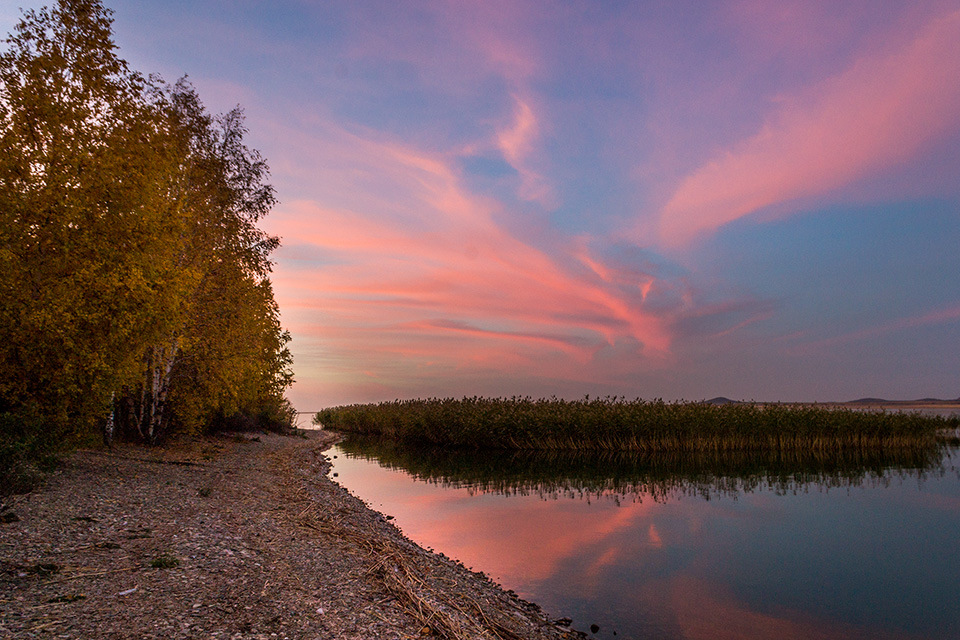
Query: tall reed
(617,424)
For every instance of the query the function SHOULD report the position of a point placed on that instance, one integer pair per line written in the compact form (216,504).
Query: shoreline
(263,545)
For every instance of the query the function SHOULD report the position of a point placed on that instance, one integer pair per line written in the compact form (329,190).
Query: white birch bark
(109,426)
(163,360)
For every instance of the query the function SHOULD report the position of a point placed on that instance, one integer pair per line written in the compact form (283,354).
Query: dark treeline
(133,275)
(616,424)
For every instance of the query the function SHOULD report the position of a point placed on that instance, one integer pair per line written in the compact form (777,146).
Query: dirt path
(233,537)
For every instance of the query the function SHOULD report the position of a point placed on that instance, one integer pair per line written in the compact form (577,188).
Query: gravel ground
(231,537)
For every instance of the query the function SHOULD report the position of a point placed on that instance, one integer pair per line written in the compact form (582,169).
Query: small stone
(594,628)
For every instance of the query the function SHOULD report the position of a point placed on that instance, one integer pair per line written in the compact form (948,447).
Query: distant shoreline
(860,402)
(945,404)
(884,405)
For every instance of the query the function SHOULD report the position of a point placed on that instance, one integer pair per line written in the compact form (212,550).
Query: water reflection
(554,474)
(775,551)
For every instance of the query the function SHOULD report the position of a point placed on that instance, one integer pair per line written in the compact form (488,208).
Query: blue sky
(678,200)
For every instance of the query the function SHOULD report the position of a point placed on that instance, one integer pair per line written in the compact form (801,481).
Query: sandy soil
(231,537)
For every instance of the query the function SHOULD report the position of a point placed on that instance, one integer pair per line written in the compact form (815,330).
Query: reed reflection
(659,476)
(773,550)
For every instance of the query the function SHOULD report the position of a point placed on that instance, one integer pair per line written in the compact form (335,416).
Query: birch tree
(82,227)
(218,347)
(134,279)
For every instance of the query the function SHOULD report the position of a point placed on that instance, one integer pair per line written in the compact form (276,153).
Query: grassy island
(633,425)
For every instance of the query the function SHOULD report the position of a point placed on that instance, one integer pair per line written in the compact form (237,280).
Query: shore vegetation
(135,299)
(618,424)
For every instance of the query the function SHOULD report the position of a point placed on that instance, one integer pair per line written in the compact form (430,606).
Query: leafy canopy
(134,280)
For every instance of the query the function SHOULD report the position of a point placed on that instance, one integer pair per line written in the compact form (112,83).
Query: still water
(802,546)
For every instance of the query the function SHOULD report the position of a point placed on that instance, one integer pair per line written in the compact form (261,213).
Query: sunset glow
(677,200)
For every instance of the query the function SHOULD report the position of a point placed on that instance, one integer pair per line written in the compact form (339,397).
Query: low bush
(27,451)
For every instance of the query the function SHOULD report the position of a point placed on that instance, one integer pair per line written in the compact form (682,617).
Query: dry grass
(445,604)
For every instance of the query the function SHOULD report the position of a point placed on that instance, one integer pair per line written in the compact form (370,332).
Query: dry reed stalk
(447,601)
(427,605)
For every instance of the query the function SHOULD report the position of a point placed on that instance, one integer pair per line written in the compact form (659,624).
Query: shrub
(164,562)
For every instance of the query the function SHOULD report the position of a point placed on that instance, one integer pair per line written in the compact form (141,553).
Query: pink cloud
(413,266)
(808,37)
(880,111)
(517,143)
(480,42)
(500,33)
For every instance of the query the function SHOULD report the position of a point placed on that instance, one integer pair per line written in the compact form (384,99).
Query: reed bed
(616,424)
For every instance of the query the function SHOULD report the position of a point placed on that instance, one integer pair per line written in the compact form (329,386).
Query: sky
(678,200)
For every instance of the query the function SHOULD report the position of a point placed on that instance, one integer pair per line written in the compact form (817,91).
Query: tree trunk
(109,426)
(162,360)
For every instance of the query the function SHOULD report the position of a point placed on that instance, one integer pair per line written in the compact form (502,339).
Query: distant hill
(721,400)
(884,401)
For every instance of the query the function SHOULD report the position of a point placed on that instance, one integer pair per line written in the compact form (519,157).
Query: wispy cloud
(458,181)
(880,111)
(417,267)
(516,142)
(939,316)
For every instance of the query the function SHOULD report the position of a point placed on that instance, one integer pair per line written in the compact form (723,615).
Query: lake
(858,545)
